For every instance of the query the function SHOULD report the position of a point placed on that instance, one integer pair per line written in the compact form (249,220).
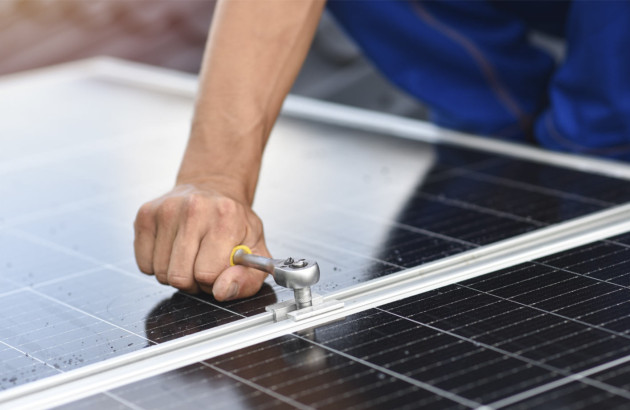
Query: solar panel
(70,293)
(519,337)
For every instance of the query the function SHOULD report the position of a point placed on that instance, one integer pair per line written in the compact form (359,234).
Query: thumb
(237,282)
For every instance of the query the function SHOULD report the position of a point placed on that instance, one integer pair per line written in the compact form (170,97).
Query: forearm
(253,55)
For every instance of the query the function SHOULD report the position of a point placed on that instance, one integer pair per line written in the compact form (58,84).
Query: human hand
(185,238)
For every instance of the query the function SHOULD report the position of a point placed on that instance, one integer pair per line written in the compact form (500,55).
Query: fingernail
(232,291)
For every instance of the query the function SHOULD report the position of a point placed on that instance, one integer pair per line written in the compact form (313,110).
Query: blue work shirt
(473,64)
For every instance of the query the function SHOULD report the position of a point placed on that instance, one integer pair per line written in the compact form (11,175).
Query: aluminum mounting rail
(86,381)
(184,84)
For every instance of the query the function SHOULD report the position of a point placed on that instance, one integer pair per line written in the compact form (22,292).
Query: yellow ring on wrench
(236,248)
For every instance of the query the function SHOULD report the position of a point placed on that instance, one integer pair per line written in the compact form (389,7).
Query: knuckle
(161,279)
(205,277)
(181,281)
(227,208)
(160,273)
(144,218)
(168,209)
(194,206)
(255,225)
(145,267)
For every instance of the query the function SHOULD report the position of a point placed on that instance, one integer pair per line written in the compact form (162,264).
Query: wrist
(226,185)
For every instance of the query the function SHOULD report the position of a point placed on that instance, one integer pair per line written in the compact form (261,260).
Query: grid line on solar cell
(476,228)
(458,224)
(567,318)
(347,251)
(425,386)
(215,305)
(477,349)
(64,208)
(397,256)
(504,199)
(585,184)
(591,267)
(298,379)
(332,401)
(617,375)
(46,338)
(66,277)
(527,361)
(270,392)
(22,354)
(587,326)
(536,188)
(385,350)
(578,396)
(580,291)
(133,307)
(67,338)
(478,208)
(99,401)
(620,240)
(589,252)
(459,169)
(395,224)
(596,297)
(52,245)
(437,328)
(316,389)
(122,401)
(527,291)
(219,395)
(337,373)
(85,313)
(580,376)
(100,266)
(14,291)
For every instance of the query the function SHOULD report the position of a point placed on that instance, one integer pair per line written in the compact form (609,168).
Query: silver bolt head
(299,264)
(297,277)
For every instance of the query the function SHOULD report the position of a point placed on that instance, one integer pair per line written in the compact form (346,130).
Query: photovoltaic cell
(20,368)
(593,188)
(142,308)
(574,395)
(58,334)
(617,376)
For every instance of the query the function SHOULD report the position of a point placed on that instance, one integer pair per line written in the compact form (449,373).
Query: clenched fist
(185,238)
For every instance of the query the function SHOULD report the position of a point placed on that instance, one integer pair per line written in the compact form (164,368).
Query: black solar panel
(516,337)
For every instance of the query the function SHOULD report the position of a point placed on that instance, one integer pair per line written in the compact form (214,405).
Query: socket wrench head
(296,274)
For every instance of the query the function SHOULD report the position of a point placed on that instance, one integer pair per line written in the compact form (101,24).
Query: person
(471,62)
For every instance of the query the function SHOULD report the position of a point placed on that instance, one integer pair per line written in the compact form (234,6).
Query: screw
(299,264)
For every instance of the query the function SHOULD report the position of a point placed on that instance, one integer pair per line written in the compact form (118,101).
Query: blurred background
(172,34)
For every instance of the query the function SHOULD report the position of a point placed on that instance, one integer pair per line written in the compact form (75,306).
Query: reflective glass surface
(362,205)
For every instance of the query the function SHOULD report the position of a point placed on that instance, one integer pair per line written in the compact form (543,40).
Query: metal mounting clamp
(296,274)
(289,309)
